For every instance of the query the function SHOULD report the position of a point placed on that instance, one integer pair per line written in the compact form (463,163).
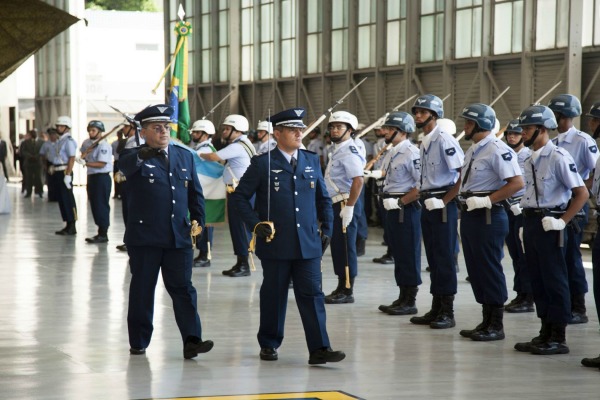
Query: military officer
(202,133)
(554,193)
(163,188)
(316,145)
(266,141)
(378,147)
(98,160)
(62,174)
(237,155)
(344,180)
(400,199)
(290,193)
(441,160)
(522,282)
(47,152)
(490,175)
(584,151)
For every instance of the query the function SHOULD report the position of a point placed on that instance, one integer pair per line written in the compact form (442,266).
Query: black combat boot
(235,267)
(243,268)
(486,313)
(521,304)
(400,298)
(360,246)
(202,260)
(578,309)
(341,295)
(101,237)
(436,305)
(387,258)
(407,306)
(68,230)
(591,362)
(556,344)
(495,328)
(445,318)
(544,335)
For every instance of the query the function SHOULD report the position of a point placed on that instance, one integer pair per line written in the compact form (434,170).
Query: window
(266,40)
(314,36)
(432,30)
(247,40)
(339,35)
(467,40)
(508,26)
(223,40)
(288,38)
(396,32)
(205,42)
(591,23)
(551,24)
(366,33)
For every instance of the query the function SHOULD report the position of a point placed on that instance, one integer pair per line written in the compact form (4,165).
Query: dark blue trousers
(548,271)
(522,281)
(440,239)
(338,249)
(205,237)
(66,200)
(405,242)
(240,233)
(98,191)
(176,266)
(483,248)
(363,229)
(596,269)
(577,281)
(306,275)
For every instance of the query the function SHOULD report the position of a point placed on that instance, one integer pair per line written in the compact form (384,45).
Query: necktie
(293,162)
(468,172)
(162,155)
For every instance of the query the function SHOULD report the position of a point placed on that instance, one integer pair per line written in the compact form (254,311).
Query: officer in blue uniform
(523,302)
(98,160)
(554,193)
(584,151)
(344,180)
(291,201)
(403,217)
(441,160)
(62,174)
(490,175)
(163,189)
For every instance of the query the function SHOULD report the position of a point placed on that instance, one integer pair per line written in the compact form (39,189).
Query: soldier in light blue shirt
(62,174)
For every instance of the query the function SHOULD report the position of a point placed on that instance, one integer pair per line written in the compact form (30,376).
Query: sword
(212,110)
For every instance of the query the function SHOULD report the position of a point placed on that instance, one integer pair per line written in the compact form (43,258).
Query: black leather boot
(407,305)
(68,230)
(521,304)
(202,260)
(243,268)
(445,318)
(591,362)
(544,335)
(556,344)
(341,295)
(400,298)
(360,246)
(578,309)
(101,237)
(486,313)
(495,328)
(387,258)
(234,268)
(426,319)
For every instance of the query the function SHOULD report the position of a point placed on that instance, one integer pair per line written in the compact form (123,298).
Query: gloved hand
(516,209)
(346,215)
(263,231)
(377,174)
(391,204)
(80,161)
(434,204)
(147,153)
(474,203)
(67,180)
(325,240)
(553,224)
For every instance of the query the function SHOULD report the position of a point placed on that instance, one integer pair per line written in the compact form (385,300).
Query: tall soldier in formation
(267,143)
(344,180)
(62,174)
(441,160)
(99,165)
(554,193)
(490,175)
(403,221)
(522,281)
(379,146)
(584,151)
(237,155)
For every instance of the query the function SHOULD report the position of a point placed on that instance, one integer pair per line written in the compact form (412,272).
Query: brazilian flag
(178,94)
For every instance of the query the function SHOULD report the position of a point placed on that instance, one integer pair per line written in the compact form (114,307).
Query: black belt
(437,193)
(542,212)
(393,195)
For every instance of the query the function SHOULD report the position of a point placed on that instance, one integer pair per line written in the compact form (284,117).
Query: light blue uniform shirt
(102,153)
(522,155)
(238,157)
(362,150)
(66,147)
(403,171)
(492,162)
(48,149)
(441,159)
(345,164)
(581,147)
(556,175)
(596,183)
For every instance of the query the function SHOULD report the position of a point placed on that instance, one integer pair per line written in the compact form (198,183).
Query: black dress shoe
(268,354)
(591,362)
(549,348)
(122,247)
(325,355)
(97,239)
(201,262)
(384,259)
(578,318)
(136,352)
(191,349)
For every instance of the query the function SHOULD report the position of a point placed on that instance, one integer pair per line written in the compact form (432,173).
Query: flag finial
(181,12)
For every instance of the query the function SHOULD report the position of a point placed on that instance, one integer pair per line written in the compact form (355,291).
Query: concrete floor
(63,332)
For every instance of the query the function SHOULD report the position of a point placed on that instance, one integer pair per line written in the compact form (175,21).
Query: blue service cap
(158,112)
(291,118)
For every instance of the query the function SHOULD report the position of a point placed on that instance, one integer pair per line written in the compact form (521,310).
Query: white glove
(474,203)
(516,209)
(434,204)
(553,224)
(346,215)
(67,180)
(391,204)
(377,174)
(80,161)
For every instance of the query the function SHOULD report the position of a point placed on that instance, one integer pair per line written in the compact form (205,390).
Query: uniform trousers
(405,242)
(522,281)
(548,271)
(440,240)
(596,269)
(176,266)
(577,281)
(240,233)
(344,254)
(483,249)
(98,191)
(306,275)
(64,195)
(363,229)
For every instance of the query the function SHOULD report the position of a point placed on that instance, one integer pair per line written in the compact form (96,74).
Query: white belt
(59,168)
(340,197)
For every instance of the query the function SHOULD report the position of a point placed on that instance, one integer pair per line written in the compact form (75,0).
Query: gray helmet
(430,102)
(538,115)
(594,111)
(513,126)
(566,104)
(96,124)
(401,120)
(482,114)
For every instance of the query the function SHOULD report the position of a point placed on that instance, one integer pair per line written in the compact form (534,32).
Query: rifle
(383,117)
(132,122)
(101,138)
(322,117)
(370,164)
(460,136)
(212,110)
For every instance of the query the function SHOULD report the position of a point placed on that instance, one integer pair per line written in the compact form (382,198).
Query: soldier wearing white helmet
(264,130)
(237,157)
(316,145)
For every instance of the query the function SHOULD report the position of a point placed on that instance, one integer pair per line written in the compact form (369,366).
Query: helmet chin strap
(337,140)
(535,135)
(475,131)
(392,138)
(422,124)
(514,146)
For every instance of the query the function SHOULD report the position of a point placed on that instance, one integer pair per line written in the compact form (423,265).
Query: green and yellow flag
(178,94)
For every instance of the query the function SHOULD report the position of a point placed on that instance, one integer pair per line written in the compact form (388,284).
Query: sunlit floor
(63,332)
